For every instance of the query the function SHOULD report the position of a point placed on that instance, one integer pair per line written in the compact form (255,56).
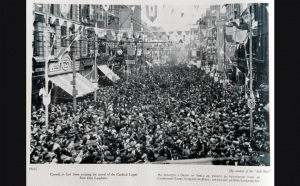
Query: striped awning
(83,85)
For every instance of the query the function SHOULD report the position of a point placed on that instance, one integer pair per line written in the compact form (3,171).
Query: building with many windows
(63,22)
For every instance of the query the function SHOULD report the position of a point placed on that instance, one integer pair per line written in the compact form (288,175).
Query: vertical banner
(64,9)
(151,12)
(125,18)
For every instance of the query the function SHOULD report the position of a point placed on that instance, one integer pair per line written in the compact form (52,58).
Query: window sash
(63,33)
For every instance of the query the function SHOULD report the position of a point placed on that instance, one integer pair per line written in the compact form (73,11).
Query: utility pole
(46,72)
(251,80)
(95,66)
(74,86)
(224,50)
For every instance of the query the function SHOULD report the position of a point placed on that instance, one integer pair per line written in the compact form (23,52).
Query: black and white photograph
(150,84)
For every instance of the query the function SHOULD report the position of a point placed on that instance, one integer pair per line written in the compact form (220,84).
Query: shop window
(90,42)
(63,36)
(83,44)
(71,11)
(39,7)
(38,39)
(52,43)
(52,9)
(52,35)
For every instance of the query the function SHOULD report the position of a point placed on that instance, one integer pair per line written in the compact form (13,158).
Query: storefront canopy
(109,73)
(83,85)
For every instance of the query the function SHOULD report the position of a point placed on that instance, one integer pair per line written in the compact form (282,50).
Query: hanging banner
(179,32)
(151,12)
(64,9)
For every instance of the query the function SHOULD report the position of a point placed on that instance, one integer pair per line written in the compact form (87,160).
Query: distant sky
(174,22)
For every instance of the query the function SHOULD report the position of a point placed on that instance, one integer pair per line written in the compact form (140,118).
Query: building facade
(96,24)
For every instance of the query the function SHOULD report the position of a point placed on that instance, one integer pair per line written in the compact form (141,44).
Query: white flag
(132,8)
(64,9)
(42,91)
(105,7)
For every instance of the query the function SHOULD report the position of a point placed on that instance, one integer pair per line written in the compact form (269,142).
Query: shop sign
(88,62)
(63,66)
(65,62)
(39,69)
(130,62)
(54,67)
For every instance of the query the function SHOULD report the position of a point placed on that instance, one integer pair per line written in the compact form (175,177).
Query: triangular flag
(105,7)
(132,8)
(196,7)
(182,14)
(42,91)
(267,107)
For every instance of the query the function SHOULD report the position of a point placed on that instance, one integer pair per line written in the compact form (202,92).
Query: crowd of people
(163,113)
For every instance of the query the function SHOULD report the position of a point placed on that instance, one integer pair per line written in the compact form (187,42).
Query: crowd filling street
(154,114)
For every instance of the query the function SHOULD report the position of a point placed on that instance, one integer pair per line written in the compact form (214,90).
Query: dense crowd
(164,113)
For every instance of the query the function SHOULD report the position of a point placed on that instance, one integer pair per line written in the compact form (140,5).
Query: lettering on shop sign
(65,64)
(39,69)
(54,67)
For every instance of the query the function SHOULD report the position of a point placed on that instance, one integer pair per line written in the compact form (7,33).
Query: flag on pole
(42,91)
(267,107)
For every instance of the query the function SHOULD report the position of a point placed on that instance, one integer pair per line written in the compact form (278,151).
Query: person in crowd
(175,112)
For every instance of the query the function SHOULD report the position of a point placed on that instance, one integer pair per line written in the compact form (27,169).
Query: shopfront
(61,78)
